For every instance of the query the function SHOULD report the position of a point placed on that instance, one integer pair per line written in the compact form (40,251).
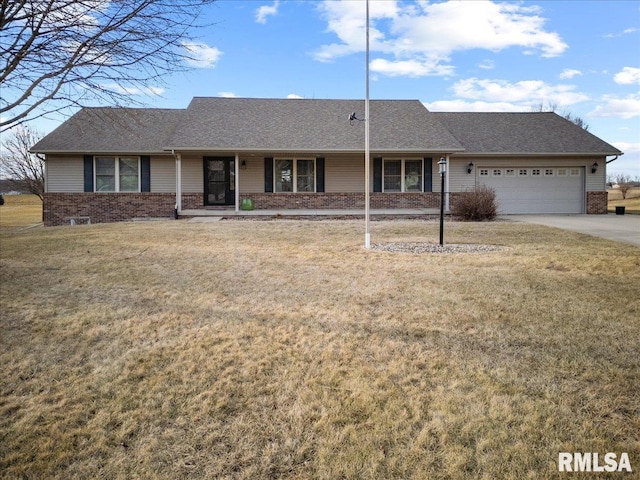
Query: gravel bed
(416,247)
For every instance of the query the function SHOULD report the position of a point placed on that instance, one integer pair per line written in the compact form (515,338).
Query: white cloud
(487,65)
(625,108)
(419,38)
(464,106)
(626,31)
(627,147)
(201,55)
(267,10)
(524,93)
(227,94)
(569,73)
(628,76)
(410,68)
(293,95)
(134,90)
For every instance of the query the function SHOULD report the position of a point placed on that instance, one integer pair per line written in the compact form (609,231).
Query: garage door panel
(539,190)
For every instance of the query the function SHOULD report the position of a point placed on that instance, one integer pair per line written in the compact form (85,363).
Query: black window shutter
(88,173)
(145,173)
(319,174)
(377,174)
(268,175)
(428,174)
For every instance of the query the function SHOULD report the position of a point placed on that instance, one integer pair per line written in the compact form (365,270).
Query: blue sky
(472,55)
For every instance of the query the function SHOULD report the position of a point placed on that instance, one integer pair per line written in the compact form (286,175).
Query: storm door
(219,181)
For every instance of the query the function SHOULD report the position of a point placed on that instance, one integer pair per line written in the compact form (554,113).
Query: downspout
(613,159)
(178,207)
(446,187)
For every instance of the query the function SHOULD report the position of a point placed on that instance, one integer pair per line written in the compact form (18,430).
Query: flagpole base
(367,241)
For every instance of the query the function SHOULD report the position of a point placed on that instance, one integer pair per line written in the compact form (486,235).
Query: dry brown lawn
(632,202)
(283,349)
(20,211)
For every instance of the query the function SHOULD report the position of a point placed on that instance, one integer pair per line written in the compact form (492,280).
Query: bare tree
(19,164)
(56,54)
(625,183)
(553,107)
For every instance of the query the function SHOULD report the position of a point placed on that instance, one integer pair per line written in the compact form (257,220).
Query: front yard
(283,349)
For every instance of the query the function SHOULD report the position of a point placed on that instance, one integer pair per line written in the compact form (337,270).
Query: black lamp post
(442,164)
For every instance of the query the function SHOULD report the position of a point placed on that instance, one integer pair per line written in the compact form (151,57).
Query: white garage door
(536,190)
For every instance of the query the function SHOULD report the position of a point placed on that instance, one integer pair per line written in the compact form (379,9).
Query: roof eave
(540,154)
(99,152)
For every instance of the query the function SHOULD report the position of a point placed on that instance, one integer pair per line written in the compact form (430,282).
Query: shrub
(478,204)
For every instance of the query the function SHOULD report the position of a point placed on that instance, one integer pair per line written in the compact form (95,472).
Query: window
(402,175)
(522,172)
(548,172)
(413,175)
(562,172)
(497,172)
(117,174)
(535,171)
(510,172)
(484,172)
(294,175)
(575,172)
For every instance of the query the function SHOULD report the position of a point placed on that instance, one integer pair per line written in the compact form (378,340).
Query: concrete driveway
(620,228)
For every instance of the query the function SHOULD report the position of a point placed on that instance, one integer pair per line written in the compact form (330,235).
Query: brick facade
(597,202)
(341,201)
(60,208)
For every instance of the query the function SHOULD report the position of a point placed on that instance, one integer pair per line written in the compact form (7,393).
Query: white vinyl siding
(192,175)
(252,175)
(64,174)
(345,173)
(163,174)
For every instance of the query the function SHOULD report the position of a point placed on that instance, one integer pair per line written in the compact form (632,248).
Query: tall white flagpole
(367,237)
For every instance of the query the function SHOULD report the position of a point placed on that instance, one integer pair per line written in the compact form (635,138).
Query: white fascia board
(529,154)
(101,152)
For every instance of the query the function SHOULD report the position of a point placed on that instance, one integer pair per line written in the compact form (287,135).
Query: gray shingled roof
(112,130)
(242,124)
(308,125)
(522,133)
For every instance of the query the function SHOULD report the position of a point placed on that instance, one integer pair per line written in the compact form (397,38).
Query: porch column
(178,182)
(446,186)
(237,181)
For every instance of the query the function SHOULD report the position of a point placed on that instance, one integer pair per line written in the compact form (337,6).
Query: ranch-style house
(226,154)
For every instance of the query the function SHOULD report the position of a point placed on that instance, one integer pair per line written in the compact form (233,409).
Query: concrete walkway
(620,228)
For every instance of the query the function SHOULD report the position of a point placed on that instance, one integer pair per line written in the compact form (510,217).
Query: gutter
(614,159)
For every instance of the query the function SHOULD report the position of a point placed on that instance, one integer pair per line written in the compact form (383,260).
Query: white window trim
(294,179)
(402,173)
(117,173)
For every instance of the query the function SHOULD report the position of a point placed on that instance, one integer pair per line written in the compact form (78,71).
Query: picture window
(294,175)
(402,175)
(117,174)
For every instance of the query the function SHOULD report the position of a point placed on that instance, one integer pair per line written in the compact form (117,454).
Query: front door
(219,180)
